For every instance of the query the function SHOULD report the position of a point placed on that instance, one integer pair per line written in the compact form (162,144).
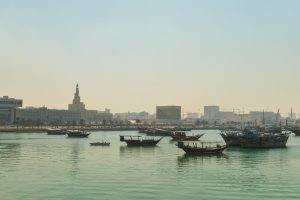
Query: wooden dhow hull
(139,141)
(203,151)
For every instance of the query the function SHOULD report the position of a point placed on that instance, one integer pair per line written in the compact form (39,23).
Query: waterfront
(39,166)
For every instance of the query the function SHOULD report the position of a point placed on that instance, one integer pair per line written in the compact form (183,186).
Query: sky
(131,55)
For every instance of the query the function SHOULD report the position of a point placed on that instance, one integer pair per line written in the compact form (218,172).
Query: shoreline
(44,129)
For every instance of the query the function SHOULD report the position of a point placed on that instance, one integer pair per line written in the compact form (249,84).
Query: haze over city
(149,99)
(134,55)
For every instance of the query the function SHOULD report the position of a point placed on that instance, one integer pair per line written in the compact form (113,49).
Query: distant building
(33,114)
(45,115)
(94,116)
(192,116)
(77,105)
(104,115)
(211,112)
(132,116)
(168,114)
(8,109)
(63,115)
(226,116)
(89,116)
(268,117)
(76,112)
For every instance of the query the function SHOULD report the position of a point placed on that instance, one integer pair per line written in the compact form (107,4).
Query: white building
(8,109)
(132,116)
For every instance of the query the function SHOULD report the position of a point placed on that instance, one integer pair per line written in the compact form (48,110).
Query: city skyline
(134,55)
(77,105)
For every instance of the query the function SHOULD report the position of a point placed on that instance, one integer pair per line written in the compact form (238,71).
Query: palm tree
(82,123)
(74,123)
(17,121)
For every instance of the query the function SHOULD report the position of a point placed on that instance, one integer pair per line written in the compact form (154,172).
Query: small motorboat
(103,143)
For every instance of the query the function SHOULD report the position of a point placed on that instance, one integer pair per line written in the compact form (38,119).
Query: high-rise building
(77,105)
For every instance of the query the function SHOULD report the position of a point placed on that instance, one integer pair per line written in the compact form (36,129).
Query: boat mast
(290,118)
(243,125)
(291,113)
(240,113)
(277,118)
(263,121)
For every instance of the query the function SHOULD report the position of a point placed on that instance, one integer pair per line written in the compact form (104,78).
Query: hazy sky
(131,55)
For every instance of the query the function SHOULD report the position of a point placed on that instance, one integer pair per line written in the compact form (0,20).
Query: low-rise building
(268,117)
(95,116)
(211,112)
(45,115)
(9,112)
(168,114)
(142,116)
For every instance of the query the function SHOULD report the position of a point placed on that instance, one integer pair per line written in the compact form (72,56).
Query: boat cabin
(199,144)
(134,137)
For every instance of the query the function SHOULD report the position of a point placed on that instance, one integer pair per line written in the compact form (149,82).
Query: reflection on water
(138,150)
(199,159)
(253,157)
(10,156)
(75,157)
(9,150)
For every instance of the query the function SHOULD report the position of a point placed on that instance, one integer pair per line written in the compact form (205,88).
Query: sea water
(39,166)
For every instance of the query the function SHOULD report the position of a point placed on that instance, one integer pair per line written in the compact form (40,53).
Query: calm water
(38,166)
